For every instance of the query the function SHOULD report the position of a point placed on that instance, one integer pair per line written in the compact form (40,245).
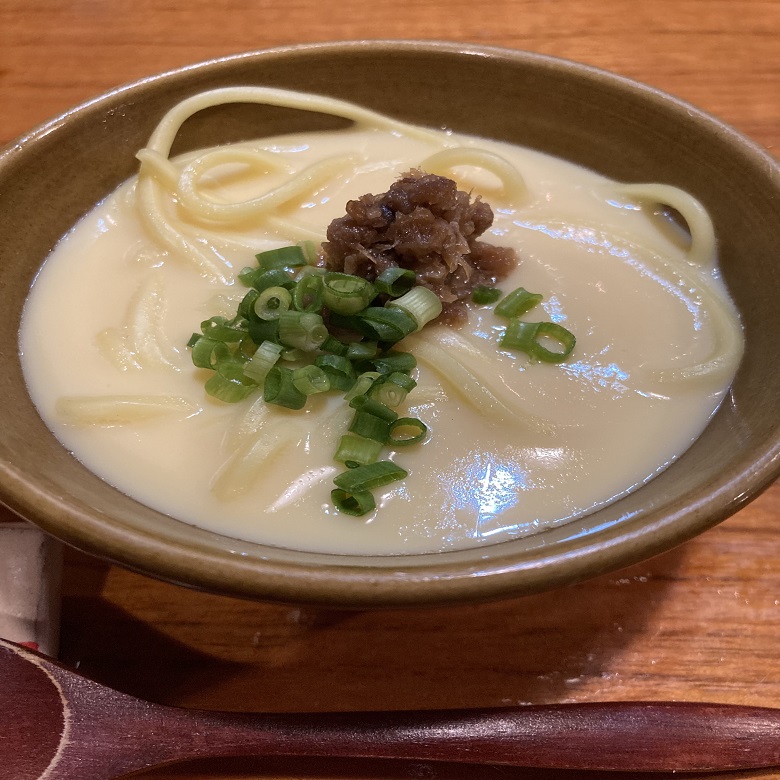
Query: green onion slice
(280,390)
(307,294)
(310,380)
(370,426)
(355,504)
(310,252)
(301,330)
(263,330)
(357,449)
(525,336)
(334,346)
(262,361)
(347,294)
(246,308)
(395,281)
(340,370)
(222,329)
(369,477)
(372,419)
(517,302)
(391,390)
(407,430)
(383,323)
(482,294)
(272,302)
(207,353)
(362,385)
(362,350)
(422,304)
(261,279)
(228,383)
(284,257)
(373,407)
(393,361)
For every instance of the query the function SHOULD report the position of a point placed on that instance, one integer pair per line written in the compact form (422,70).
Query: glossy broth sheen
(477,479)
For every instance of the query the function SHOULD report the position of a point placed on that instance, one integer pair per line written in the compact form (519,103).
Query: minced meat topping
(423,223)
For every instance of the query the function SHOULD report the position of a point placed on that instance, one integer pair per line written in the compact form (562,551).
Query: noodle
(702,249)
(121,410)
(514,189)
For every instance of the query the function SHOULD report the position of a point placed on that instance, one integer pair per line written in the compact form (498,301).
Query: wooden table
(701,622)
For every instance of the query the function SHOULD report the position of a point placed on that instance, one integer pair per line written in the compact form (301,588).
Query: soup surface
(106,326)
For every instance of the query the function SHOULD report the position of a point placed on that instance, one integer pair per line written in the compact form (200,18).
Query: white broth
(105,329)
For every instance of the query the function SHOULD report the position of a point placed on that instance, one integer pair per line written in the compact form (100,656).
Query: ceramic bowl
(625,130)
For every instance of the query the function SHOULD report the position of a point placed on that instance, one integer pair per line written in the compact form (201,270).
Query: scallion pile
(301,330)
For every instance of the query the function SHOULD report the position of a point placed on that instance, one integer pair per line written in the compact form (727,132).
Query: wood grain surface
(699,623)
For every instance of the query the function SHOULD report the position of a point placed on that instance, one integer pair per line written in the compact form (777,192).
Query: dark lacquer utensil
(56,723)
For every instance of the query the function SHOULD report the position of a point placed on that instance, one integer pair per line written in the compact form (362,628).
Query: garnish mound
(423,223)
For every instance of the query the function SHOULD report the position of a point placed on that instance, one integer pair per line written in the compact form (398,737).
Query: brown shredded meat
(424,223)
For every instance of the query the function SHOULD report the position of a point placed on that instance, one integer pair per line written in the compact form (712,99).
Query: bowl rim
(246,570)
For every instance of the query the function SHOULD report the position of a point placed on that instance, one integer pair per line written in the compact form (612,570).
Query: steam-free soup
(514,446)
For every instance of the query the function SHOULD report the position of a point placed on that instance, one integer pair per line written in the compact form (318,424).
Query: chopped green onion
(229,384)
(362,385)
(407,430)
(246,308)
(246,347)
(482,294)
(280,390)
(307,294)
(311,270)
(272,302)
(247,274)
(301,330)
(392,390)
(339,370)
(362,350)
(284,257)
(383,323)
(517,302)
(282,317)
(347,294)
(373,407)
(311,379)
(355,504)
(369,477)
(222,329)
(262,361)
(395,281)
(372,419)
(525,336)
(310,252)
(334,346)
(393,361)
(263,330)
(207,353)
(371,426)
(357,449)
(233,368)
(422,304)
(261,279)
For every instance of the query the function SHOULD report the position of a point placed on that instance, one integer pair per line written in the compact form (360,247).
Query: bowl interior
(626,131)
